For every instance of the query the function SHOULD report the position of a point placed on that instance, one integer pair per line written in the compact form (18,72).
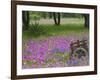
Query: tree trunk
(25,20)
(56,17)
(55,20)
(86,18)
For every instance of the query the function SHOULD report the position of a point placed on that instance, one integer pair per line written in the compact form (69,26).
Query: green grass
(55,30)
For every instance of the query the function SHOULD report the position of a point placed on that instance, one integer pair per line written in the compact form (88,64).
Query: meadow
(48,45)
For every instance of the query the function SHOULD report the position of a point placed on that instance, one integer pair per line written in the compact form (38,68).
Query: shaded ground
(44,31)
(63,21)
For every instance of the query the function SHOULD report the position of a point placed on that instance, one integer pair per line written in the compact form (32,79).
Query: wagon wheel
(79,52)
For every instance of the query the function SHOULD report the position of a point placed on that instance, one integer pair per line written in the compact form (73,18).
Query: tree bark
(25,20)
(86,18)
(56,17)
(55,20)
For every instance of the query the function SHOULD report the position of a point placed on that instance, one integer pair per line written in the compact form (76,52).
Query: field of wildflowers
(53,51)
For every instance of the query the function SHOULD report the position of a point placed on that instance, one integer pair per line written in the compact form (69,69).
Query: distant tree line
(56,16)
